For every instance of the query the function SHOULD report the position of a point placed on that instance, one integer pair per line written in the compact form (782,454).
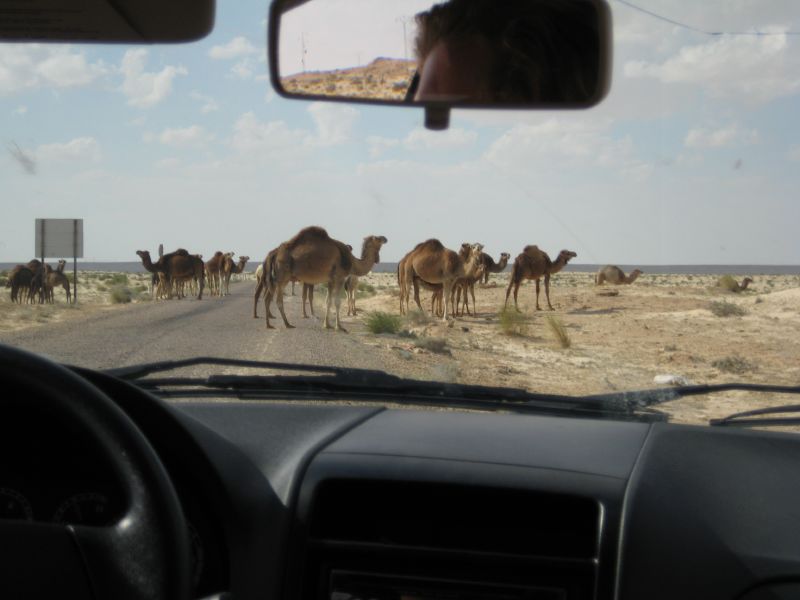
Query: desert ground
(613,338)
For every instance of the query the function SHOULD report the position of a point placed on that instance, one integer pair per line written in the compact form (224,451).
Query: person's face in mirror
(456,69)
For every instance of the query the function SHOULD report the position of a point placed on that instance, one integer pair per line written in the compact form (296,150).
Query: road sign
(57,238)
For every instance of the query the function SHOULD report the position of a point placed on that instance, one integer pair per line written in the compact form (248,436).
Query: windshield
(661,225)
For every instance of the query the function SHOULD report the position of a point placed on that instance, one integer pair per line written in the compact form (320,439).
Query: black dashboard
(290,500)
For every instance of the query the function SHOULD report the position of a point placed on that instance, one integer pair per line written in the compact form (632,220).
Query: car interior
(110,489)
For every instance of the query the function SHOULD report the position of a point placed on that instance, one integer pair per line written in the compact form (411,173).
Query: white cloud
(168,163)
(187,136)
(243,69)
(30,66)
(146,89)
(238,47)
(422,139)
(208,103)
(21,110)
(334,122)
(555,143)
(718,138)
(264,139)
(78,149)
(755,68)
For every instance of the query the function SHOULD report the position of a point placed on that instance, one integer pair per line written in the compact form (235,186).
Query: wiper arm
(366,384)
(742,419)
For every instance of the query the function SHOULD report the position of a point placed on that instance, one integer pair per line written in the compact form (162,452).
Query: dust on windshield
(647,242)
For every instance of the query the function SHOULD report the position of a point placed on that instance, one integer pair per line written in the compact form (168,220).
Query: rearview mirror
(120,21)
(458,53)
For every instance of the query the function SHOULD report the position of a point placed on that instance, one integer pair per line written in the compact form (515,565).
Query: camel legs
(416,295)
(308,294)
(515,285)
(537,295)
(277,291)
(447,297)
(546,291)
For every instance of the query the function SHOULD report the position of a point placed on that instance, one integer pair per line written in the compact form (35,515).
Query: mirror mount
(437,117)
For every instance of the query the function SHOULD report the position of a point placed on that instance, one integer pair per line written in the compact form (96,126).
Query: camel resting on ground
(533,263)
(729,283)
(615,275)
(313,257)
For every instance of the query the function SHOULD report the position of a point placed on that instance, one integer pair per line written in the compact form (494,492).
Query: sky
(693,157)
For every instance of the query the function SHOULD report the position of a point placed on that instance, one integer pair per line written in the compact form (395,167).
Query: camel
(178,266)
(57,278)
(20,279)
(431,262)
(729,283)
(308,290)
(615,275)
(38,285)
(493,267)
(312,257)
(229,268)
(213,266)
(534,263)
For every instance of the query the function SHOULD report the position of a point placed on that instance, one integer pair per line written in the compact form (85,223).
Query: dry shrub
(512,323)
(559,331)
(121,294)
(726,309)
(734,364)
(436,345)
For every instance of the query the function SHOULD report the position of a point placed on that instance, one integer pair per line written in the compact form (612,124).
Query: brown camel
(261,286)
(57,279)
(493,267)
(19,280)
(533,263)
(229,268)
(213,266)
(178,267)
(38,286)
(729,283)
(435,264)
(615,275)
(313,257)
(436,296)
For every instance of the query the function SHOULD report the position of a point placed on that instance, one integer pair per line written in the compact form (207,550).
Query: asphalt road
(175,329)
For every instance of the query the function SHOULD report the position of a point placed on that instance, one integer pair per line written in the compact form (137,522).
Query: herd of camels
(312,257)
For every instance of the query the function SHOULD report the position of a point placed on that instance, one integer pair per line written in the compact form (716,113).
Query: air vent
(456,518)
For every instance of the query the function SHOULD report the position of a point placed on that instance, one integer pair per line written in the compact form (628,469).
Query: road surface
(175,329)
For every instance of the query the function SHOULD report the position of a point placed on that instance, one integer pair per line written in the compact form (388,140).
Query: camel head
(61,261)
(637,272)
(143,254)
(566,255)
(505,256)
(746,281)
(373,243)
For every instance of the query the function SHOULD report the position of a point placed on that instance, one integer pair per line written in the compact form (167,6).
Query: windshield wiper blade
(652,397)
(325,381)
(743,418)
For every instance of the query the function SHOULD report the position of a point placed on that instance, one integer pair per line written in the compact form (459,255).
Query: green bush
(726,309)
(121,294)
(118,279)
(383,322)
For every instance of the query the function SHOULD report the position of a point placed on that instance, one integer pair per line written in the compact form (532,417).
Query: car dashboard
(291,500)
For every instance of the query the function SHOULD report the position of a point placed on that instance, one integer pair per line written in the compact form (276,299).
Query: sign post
(56,238)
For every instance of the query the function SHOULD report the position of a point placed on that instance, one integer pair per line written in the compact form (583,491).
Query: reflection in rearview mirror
(490,53)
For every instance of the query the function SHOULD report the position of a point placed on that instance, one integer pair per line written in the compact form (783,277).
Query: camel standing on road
(261,286)
(533,263)
(178,267)
(213,266)
(229,268)
(435,264)
(313,257)
(615,275)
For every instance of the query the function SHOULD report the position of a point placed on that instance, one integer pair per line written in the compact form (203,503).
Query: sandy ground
(660,325)
(620,337)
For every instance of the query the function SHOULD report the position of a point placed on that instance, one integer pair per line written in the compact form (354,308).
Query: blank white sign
(58,238)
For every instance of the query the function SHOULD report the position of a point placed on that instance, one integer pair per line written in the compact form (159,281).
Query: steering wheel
(145,554)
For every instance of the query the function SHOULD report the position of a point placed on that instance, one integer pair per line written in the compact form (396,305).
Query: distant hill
(383,78)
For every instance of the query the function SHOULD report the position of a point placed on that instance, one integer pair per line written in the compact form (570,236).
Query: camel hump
(218,253)
(432,244)
(532,249)
(181,252)
(308,234)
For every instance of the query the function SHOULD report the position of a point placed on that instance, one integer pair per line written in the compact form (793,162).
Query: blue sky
(692,158)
